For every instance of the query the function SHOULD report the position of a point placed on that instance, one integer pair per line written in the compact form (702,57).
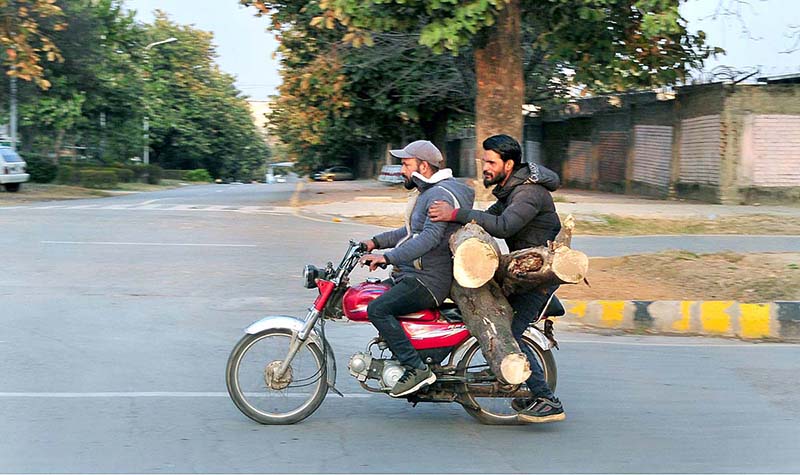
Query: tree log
(540,268)
(487,314)
(475,256)
(564,237)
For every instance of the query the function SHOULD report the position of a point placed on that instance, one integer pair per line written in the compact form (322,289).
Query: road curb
(778,321)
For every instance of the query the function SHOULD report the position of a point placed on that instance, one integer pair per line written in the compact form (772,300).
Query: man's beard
(497,179)
(408,183)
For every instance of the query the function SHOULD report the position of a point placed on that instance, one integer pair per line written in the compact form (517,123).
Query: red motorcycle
(283,367)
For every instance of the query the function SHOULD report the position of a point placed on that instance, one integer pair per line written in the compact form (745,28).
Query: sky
(246,49)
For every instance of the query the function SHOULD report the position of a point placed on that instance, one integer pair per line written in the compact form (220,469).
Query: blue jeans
(527,308)
(406,296)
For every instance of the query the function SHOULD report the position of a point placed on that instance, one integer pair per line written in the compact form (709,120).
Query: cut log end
(515,368)
(474,263)
(569,265)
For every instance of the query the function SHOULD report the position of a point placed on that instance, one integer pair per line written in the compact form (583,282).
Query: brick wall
(771,151)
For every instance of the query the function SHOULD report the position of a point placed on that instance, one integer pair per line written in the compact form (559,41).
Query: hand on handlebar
(368,245)
(373,261)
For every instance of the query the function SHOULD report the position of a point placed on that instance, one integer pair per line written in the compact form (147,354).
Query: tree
(609,44)
(93,86)
(25,30)
(337,98)
(197,117)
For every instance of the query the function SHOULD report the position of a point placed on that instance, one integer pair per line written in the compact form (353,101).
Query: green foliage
(174,174)
(41,169)
(124,175)
(339,101)
(200,174)
(154,174)
(98,178)
(68,175)
(107,82)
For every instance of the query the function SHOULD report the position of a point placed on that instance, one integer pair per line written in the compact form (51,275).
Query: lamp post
(13,112)
(146,119)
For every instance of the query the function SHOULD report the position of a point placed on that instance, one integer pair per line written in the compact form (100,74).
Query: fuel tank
(356,299)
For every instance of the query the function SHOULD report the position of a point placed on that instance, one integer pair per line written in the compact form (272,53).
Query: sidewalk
(390,201)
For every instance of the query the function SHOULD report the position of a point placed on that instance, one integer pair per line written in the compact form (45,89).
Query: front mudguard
(294,325)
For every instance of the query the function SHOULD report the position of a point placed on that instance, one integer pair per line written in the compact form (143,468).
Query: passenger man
(420,254)
(525,216)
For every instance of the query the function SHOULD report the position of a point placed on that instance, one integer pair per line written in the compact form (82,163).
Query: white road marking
(159,394)
(107,243)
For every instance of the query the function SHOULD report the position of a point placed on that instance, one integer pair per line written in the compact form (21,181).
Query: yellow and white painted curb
(774,320)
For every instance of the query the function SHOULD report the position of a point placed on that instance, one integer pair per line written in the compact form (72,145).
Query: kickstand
(331,388)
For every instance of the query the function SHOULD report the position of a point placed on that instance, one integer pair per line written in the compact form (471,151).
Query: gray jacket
(421,249)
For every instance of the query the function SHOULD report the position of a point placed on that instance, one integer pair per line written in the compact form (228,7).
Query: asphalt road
(117,319)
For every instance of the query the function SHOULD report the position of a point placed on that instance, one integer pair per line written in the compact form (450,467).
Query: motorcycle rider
(525,216)
(420,254)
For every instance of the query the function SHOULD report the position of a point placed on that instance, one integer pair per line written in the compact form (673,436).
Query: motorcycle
(283,367)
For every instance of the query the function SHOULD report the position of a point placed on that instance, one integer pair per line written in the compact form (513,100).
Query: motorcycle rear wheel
(497,410)
(259,395)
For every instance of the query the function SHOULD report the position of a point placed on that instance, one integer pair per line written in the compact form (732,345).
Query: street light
(146,120)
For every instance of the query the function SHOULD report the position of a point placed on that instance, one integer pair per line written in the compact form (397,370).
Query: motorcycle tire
(495,410)
(248,366)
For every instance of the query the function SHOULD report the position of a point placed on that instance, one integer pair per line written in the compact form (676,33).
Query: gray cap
(423,150)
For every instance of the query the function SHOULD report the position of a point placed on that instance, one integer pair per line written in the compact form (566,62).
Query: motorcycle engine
(364,366)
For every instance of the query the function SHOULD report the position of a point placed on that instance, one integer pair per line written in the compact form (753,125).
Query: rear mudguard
(532,332)
(294,325)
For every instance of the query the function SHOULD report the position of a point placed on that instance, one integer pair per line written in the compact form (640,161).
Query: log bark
(487,314)
(564,237)
(475,256)
(540,268)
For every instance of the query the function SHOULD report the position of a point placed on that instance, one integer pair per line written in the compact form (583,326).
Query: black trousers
(406,296)
(527,308)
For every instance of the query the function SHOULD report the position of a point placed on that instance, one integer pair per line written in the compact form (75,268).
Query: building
(722,143)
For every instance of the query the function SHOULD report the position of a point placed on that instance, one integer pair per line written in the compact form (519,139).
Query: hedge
(98,178)
(40,168)
(201,174)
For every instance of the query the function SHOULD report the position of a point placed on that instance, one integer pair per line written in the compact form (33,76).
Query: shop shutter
(652,154)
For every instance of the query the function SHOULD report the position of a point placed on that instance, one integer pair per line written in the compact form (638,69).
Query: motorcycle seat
(451,312)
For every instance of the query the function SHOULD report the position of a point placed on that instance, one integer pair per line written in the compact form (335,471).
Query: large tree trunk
(487,314)
(500,84)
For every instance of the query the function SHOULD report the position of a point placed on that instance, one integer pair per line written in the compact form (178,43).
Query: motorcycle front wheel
(262,396)
(485,398)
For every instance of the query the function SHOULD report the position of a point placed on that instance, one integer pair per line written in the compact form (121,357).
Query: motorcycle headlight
(310,275)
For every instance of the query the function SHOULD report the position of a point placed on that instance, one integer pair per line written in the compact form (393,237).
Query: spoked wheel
(490,401)
(260,394)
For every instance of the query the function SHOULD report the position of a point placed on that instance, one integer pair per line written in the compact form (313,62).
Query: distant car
(334,174)
(391,174)
(12,169)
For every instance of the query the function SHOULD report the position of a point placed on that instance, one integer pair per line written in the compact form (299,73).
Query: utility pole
(13,111)
(146,119)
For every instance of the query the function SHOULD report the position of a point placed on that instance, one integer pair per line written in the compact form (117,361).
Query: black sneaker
(543,410)
(412,380)
(521,403)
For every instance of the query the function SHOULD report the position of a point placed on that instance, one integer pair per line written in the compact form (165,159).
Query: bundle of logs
(484,278)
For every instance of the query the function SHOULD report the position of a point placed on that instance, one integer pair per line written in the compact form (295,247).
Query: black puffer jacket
(524,214)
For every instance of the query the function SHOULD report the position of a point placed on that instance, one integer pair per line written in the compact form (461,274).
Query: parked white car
(12,169)
(391,174)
